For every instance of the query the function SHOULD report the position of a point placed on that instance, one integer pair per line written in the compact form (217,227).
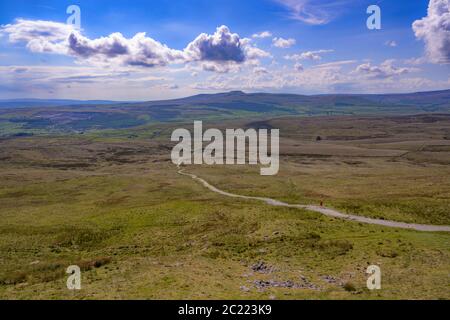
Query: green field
(111,202)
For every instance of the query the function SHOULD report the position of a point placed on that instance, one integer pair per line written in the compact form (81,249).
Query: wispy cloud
(391,43)
(335,64)
(315,12)
(93,82)
(308,55)
(338,77)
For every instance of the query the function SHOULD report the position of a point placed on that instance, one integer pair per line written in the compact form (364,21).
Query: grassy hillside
(115,206)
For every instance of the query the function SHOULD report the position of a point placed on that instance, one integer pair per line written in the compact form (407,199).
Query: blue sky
(307,47)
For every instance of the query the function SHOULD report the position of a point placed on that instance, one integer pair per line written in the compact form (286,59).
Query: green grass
(176,240)
(118,209)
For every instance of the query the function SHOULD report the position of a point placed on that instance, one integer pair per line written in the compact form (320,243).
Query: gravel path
(326,211)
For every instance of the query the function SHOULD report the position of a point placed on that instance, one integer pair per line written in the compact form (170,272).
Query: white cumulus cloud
(39,35)
(434,30)
(140,50)
(391,43)
(283,43)
(383,71)
(298,67)
(219,52)
(262,35)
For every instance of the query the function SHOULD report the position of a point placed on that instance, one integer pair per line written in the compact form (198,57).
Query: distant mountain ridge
(430,97)
(427,97)
(24,117)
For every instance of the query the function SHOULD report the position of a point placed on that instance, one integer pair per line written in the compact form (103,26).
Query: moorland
(93,185)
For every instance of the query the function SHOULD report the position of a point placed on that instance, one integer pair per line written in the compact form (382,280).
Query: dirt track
(326,211)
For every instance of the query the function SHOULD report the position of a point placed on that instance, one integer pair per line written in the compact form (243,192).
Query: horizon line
(224,92)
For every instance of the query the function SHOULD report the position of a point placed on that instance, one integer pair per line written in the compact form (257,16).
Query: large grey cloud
(139,50)
(222,46)
(217,52)
(434,30)
(223,51)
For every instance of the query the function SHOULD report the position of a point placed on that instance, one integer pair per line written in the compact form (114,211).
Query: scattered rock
(332,280)
(306,284)
(245,289)
(264,284)
(262,267)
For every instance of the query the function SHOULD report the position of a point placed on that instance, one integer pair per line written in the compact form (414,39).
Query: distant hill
(36,116)
(26,103)
(431,98)
(238,101)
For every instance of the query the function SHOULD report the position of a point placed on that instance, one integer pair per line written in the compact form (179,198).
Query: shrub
(350,287)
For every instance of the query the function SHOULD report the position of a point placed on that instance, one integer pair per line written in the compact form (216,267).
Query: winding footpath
(325,211)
